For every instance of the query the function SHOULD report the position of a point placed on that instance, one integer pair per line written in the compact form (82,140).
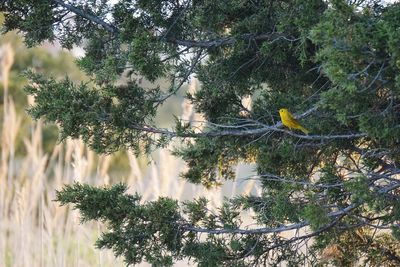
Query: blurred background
(35,230)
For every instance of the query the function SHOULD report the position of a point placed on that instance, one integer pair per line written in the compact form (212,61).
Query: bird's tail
(304,130)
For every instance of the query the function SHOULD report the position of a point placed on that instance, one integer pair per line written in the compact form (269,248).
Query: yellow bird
(289,121)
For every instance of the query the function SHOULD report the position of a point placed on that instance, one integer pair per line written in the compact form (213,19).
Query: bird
(289,121)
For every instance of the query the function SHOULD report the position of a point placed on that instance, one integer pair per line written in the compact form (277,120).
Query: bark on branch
(334,215)
(272,37)
(261,130)
(268,230)
(87,16)
(246,132)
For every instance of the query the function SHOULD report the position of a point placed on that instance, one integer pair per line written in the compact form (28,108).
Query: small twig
(375,78)
(188,73)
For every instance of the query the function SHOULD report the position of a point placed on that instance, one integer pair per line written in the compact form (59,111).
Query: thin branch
(377,226)
(276,178)
(268,230)
(246,231)
(177,18)
(251,132)
(272,37)
(377,76)
(239,131)
(307,236)
(87,16)
(334,214)
(187,74)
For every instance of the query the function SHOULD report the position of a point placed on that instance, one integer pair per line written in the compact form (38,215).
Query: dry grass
(35,230)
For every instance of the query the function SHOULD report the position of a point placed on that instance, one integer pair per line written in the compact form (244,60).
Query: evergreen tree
(334,63)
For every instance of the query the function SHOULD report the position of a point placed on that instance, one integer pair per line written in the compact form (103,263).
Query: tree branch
(268,230)
(334,214)
(246,231)
(87,16)
(251,132)
(195,60)
(315,233)
(241,131)
(277,178)
(272,37)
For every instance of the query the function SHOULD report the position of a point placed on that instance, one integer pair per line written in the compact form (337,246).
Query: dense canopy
(335,64)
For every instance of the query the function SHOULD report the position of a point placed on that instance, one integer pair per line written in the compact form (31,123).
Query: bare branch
(247,231)
(195,60)
(251,132)
(277,178)
(268,230)
(87,16)
(334,214)
(272,37)
(307,236)
(236,130)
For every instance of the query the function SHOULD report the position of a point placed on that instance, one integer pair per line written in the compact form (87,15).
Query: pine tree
(335,64)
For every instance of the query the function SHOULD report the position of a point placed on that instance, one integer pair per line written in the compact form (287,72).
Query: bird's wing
(295,123)
(290,117)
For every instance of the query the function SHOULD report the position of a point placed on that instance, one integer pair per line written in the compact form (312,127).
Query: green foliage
(335,62)
(316,215)
(106,120)
(360,189)
(32,17)
(142,232)
(196,210)
(209,161)
(136,232)
(54,63)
